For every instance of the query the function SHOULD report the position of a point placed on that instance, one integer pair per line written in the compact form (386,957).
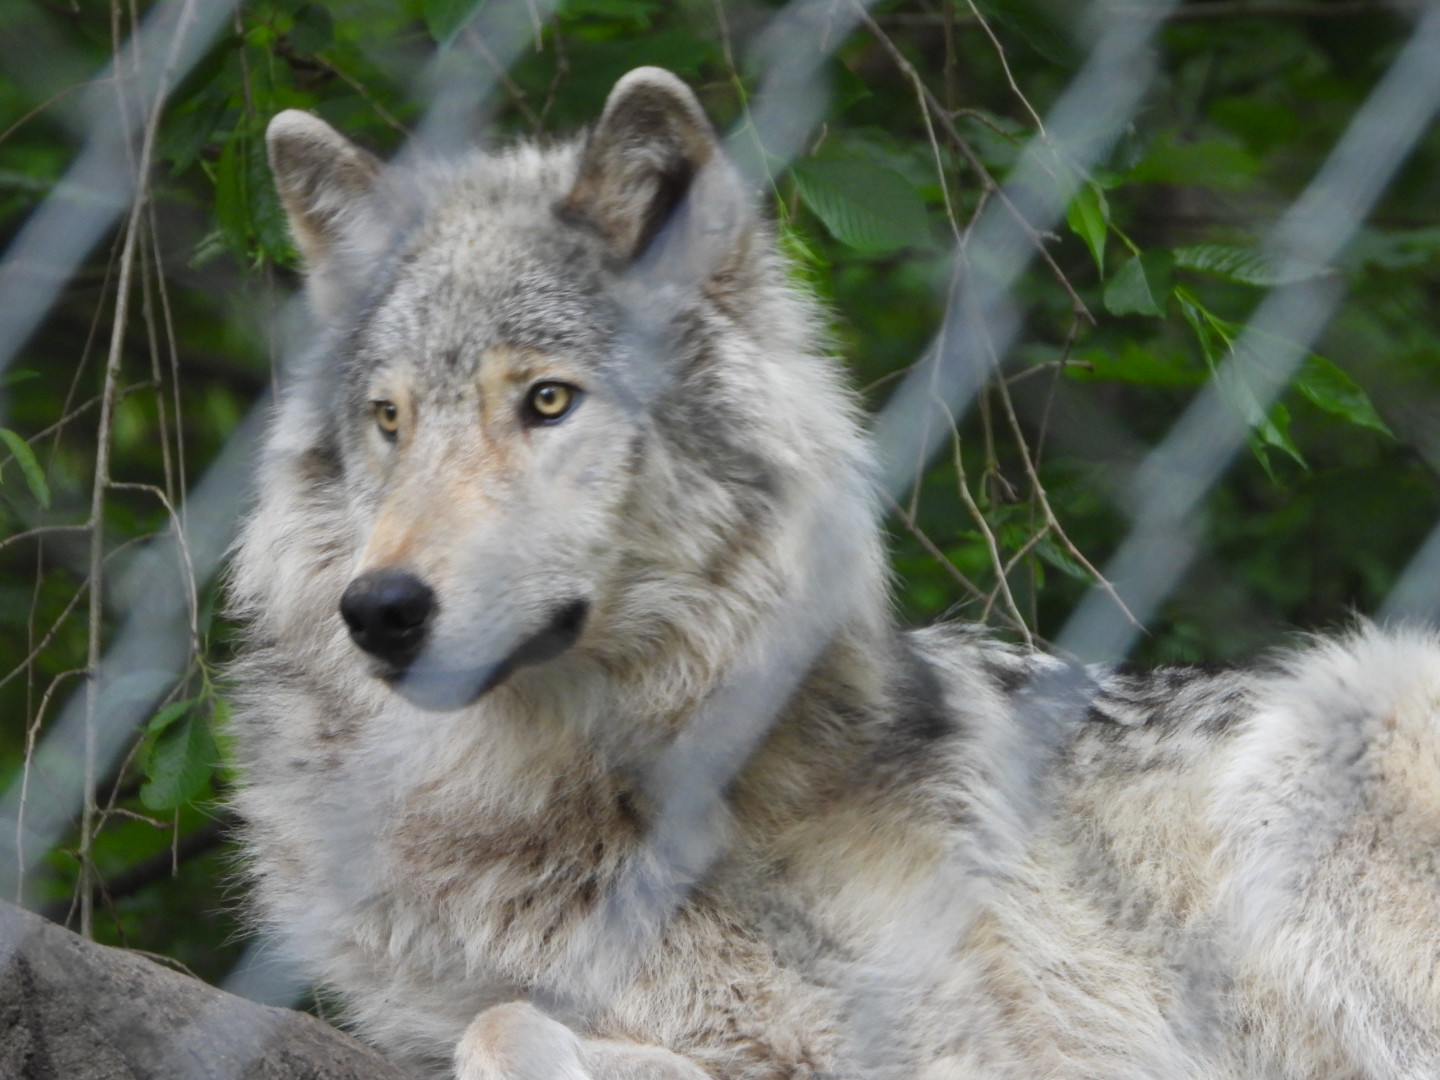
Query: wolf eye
(549,401)
(387,417)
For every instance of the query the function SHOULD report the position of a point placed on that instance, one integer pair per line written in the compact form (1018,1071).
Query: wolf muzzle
(388,613)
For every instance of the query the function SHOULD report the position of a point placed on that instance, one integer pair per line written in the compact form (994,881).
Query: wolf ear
(652,148)
(321,177)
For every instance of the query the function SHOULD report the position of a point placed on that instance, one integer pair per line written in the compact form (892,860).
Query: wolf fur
(586,745)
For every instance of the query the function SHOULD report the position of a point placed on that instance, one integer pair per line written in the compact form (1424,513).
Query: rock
(74,1010)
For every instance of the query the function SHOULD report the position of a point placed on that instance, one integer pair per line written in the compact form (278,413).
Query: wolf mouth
(443,687)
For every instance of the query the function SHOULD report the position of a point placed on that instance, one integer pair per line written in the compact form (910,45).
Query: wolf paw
(516,1041)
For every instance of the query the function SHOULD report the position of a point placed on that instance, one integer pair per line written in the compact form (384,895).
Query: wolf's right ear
(654,153)
(322,178)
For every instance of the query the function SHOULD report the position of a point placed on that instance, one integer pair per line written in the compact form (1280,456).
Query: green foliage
(869,207)
(1135,307)
(1089,217)
(181,754)
(29,467)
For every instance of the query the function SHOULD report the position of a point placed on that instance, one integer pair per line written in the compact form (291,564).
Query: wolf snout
(388,613)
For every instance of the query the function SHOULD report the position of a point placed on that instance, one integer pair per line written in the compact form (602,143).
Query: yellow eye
(551,400)
(387,417)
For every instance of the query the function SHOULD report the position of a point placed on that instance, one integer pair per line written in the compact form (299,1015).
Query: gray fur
(744,827)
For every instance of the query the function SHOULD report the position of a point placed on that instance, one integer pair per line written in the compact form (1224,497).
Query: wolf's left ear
(652,148)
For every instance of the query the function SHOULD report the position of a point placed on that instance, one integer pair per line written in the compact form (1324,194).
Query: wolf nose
(387,612)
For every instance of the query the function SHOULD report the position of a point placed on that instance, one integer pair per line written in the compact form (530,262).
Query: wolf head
(563,402)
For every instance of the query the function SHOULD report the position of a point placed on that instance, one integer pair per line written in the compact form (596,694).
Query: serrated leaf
(1141,286)
(1327,387)
(1246,265)
(446,18)
(167,716)
(867,206)
(1062,560)
(1089,219)
(180,764)
(29,466)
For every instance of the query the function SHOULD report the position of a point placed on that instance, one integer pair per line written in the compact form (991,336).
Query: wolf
(577,737)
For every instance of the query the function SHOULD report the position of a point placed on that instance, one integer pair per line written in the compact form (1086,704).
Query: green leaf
(181,761)
(1327,387)
(231,210)
(1274,430)
(1246,265)
(167,716)
(1062,560)
(1089,219)
(29,467)
(1214,335)
(1273,433)
(1139,365)
(867,206)
(1141,286)
(446,18)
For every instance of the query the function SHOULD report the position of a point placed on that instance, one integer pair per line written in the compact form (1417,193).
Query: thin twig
(1002,584)
(934,551)
(988,182)
(40,531)
(1043,502)
(32,732)
(109,396)
(1005,67)
(51,100)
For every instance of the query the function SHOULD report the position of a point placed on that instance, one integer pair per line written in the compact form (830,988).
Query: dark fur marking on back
(1201,697)
(1010,678)
(921,714)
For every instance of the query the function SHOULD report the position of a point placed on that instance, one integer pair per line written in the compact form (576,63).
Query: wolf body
(578,740)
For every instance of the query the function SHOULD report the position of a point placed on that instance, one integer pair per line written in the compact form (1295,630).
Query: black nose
(388,612)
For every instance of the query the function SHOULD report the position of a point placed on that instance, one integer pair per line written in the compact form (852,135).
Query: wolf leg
(516,1041)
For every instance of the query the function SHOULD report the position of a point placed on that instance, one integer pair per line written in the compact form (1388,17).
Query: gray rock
(74,1010)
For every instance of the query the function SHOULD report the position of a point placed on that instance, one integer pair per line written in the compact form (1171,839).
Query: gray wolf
(578,738)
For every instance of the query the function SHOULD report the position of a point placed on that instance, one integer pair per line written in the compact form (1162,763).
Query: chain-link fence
(1190,209)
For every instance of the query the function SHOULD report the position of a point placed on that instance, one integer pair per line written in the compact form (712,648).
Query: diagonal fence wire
(1170,483)
(981,321)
